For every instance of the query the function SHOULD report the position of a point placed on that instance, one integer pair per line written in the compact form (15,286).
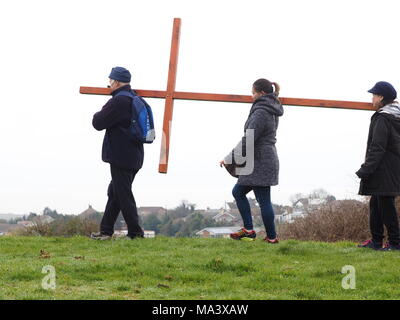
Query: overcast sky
(51,154)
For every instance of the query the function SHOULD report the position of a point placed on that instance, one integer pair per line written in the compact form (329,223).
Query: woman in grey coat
(256,161)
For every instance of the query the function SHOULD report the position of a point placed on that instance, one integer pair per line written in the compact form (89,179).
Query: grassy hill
(185,268)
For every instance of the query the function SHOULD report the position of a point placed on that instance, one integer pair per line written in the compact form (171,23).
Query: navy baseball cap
(384,89)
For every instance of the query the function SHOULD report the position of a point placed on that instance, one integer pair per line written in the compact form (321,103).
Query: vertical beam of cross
(169,99)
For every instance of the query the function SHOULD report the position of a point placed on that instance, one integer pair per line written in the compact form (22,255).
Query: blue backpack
(142,123)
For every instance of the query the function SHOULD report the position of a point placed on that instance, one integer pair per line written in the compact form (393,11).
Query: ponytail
(277,88)
(266,86)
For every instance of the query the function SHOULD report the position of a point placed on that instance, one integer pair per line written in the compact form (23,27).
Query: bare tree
(318,194)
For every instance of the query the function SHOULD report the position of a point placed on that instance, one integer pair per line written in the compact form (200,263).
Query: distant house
(88,212)
(42,219)
(224,216)
(210,213)
(279,218)
(254,207)
(151,210)
(219,232)
(315,204)
(311,204)
(302,207)
(233,209)
(289,217)
(301,204)
(218,215)
(25,223)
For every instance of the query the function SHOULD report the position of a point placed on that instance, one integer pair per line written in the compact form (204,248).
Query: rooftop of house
(224,213)
(88,211)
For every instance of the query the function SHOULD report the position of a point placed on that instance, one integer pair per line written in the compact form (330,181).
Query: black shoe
(136,236)
(371,245)
(391,247)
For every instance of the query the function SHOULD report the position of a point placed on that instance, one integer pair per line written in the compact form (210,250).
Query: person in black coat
(380,173)
(124,155)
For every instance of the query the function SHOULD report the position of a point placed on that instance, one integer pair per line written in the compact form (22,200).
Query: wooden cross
(170,95)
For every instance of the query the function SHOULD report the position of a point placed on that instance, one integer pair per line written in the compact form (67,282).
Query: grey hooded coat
(261,162)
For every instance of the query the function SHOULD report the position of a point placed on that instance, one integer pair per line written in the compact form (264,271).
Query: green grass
(184,268)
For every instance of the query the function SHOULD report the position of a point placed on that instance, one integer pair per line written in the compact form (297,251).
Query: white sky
(51,154)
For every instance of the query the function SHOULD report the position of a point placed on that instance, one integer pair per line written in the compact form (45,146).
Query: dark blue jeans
(263,197)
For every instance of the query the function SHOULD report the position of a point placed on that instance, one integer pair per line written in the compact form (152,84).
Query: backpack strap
(131,94)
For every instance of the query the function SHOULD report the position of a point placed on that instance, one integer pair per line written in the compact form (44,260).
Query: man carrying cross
(124,155)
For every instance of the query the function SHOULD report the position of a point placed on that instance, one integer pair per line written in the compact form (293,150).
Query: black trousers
(383,212)
(120,198)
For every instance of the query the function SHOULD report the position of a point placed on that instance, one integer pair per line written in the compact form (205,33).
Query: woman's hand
(221,163)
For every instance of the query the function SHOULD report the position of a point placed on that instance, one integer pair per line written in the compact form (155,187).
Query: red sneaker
(371,245)
(273,241)
(243,234)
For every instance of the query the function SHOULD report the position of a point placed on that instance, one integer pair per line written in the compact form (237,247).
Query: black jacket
(380,173)
(115,117)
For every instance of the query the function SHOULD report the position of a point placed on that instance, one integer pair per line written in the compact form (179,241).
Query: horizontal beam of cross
(237,98)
